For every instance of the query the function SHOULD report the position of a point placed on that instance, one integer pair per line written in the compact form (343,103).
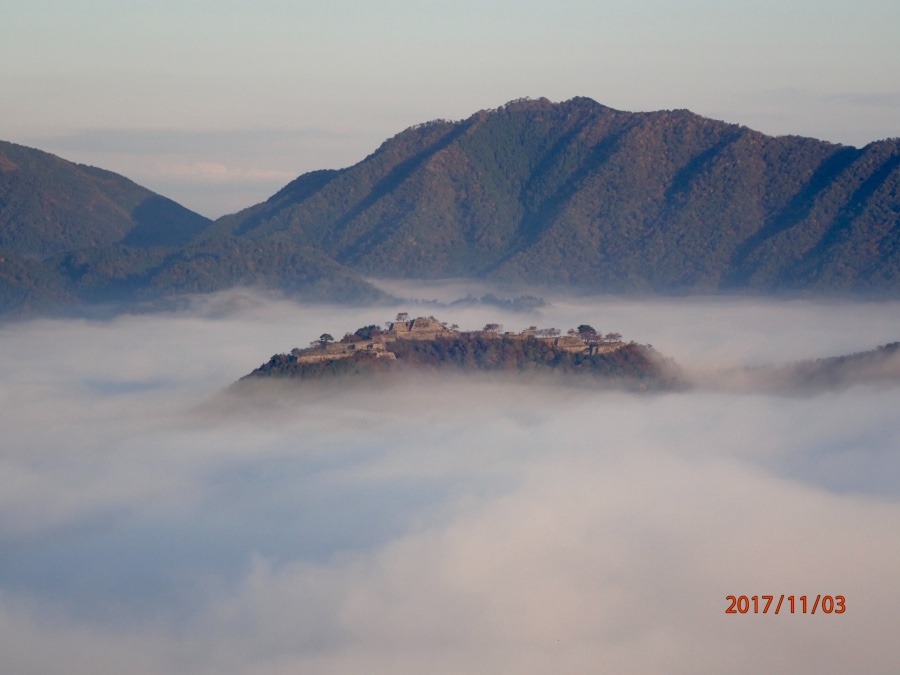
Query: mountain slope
(570,194)
(50,206)
(71,234)
(875,367)
(579,194)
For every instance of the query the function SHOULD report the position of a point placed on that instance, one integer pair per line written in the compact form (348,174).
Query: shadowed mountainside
(435,348)
(72,234)
(570,194)
(578,194)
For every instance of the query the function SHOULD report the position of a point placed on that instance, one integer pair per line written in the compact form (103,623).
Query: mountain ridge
(581,194)
(73,235)
(573,194)
(49,206)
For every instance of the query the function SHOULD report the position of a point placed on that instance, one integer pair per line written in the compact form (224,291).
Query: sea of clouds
(151,524)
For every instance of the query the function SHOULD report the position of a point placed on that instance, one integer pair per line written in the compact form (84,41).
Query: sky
(219,104)
(150,524)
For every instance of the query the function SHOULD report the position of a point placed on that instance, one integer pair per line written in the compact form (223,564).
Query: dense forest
(573,195)
(579,195)
(72,235)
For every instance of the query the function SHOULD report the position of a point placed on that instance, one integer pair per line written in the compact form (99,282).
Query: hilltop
(72,235)
(425,343)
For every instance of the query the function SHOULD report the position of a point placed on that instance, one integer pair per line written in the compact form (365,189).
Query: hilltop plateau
(427,344)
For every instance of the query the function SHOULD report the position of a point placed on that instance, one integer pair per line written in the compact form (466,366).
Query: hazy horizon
(219,105)
(148,525)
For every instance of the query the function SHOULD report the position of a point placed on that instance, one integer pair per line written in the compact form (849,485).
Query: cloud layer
(150,525)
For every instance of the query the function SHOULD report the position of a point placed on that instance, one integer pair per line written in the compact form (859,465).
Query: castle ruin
(429,328)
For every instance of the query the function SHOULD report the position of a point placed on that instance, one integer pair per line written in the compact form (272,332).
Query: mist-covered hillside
(425,345)
(581,356)
(879,366)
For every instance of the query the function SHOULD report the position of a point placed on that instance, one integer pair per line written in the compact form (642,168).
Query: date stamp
(785,604)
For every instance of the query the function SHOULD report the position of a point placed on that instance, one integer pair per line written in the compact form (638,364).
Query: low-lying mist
(151,524)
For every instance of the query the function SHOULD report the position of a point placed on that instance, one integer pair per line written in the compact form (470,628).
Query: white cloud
(458,525)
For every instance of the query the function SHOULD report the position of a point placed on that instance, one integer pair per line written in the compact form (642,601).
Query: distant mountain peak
(579,194)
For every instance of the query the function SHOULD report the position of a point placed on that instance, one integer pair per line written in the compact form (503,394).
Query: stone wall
(420,328)
(429,328)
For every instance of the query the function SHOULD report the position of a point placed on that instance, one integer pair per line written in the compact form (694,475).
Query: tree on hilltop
(368,332)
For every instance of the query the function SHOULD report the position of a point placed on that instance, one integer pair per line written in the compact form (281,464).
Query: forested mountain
(52,210)
(570,194)
(71,234)
(49,206)
(579,194)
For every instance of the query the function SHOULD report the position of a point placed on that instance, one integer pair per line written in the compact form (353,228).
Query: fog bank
(149,525)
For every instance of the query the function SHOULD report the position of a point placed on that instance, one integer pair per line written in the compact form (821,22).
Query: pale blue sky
(219,103)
